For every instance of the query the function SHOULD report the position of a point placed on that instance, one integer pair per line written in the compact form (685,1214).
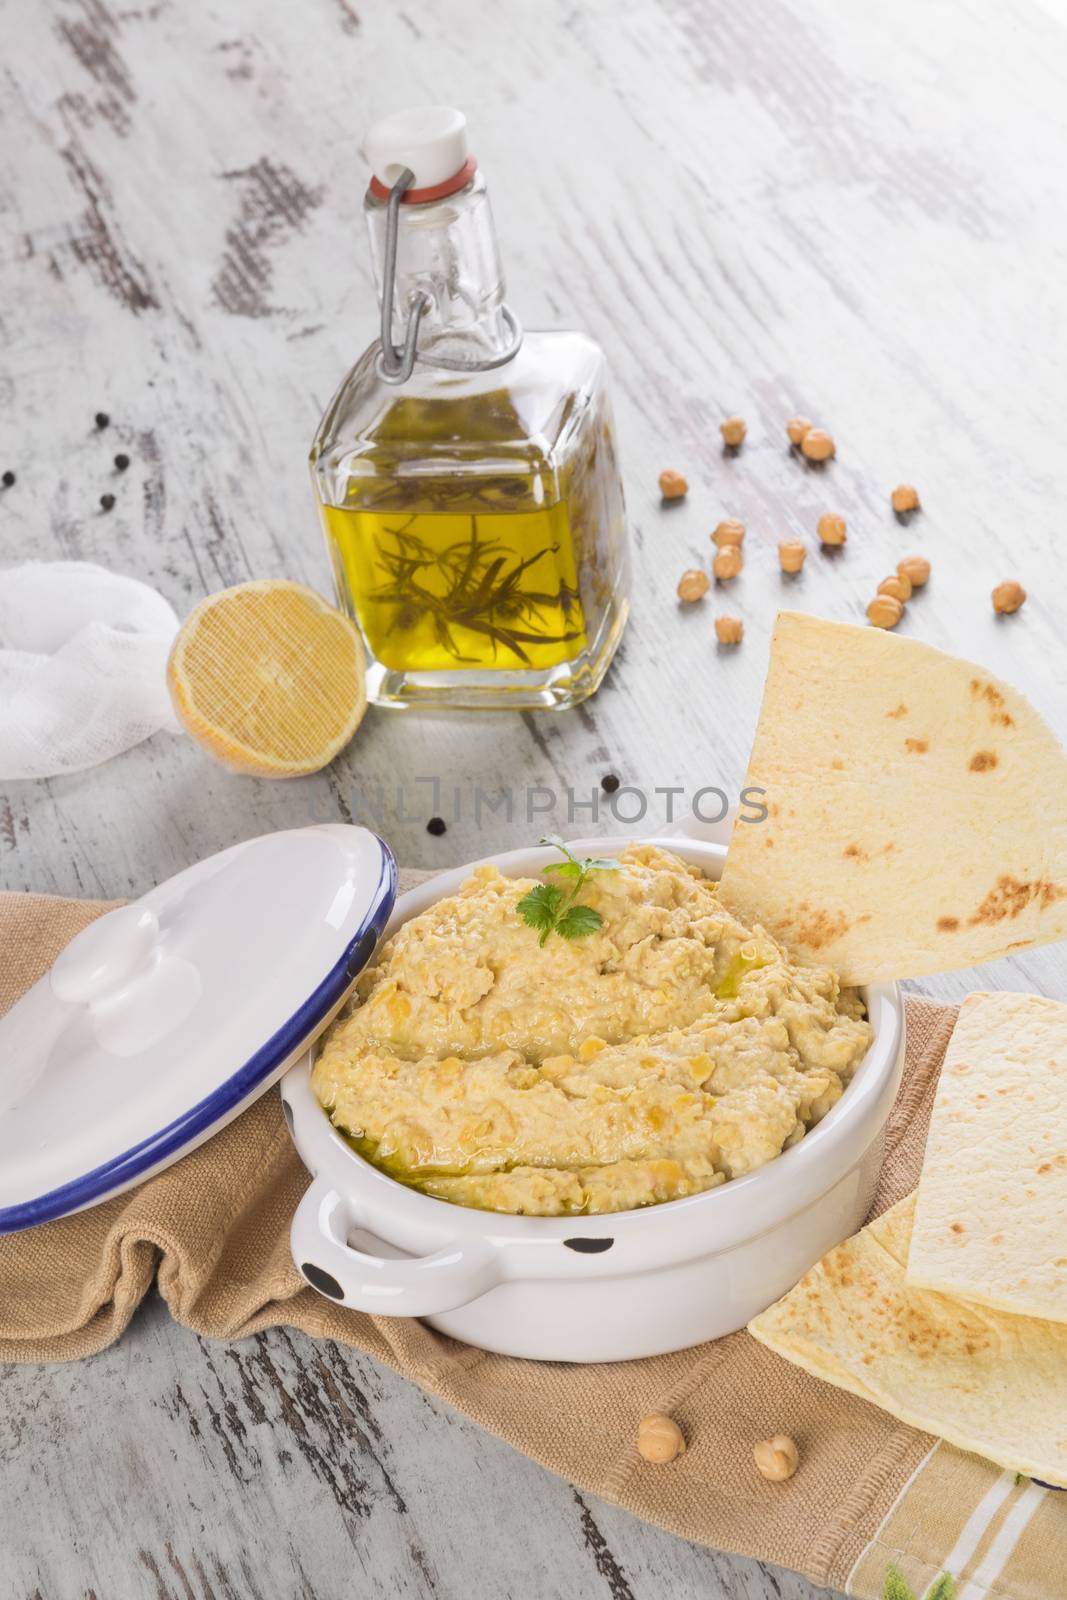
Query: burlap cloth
(213,1230)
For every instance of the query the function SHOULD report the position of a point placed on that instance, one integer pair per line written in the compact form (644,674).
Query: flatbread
(991,1219)
(986,1381)
(917,808)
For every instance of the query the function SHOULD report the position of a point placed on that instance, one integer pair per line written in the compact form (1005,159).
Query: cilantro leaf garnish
(539,908)
(577,921)
(550,910)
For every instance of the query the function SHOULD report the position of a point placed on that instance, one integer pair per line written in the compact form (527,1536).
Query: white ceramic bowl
(607,1288)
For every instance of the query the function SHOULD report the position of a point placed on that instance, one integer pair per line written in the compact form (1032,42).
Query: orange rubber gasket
(437,191)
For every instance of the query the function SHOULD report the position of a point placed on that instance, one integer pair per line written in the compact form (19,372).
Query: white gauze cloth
(82,659)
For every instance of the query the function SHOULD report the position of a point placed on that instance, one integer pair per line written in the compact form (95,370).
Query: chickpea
(885,611)
(659,1438)
(818,445)
(1008,597)
(729,532)
(693,585)
(733,431)
(904,498)
(916,569)
(797,427)
(831,528)
(728,562)
(776,1458)
(672,486)
(729,630)
(791,553)
(898,586)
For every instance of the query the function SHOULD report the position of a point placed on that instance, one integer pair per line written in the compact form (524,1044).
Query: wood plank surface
(854,212)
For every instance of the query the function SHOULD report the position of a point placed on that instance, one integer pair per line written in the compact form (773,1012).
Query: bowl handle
(419,1287)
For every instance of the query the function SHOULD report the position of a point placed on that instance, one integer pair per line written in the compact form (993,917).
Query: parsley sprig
(553,909)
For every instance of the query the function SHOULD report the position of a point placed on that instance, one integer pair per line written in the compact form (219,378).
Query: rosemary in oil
(437,590)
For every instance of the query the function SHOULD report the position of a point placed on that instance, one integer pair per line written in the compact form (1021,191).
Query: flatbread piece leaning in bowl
(917,817)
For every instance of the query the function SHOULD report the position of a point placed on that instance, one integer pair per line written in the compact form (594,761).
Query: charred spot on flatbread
(947,924)
(983,761)
(916,746)
(995,702)
(816,928)
(1010,897)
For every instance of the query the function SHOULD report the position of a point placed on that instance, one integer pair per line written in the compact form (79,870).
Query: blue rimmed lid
(162,1020)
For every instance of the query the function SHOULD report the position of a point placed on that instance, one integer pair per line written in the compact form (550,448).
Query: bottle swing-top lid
(419,156)
(430,142)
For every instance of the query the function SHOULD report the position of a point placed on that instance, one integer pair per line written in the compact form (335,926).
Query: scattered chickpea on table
(1008,597)
(791,555)
(904,498)
(659,1438)
(898,586)
(672,486)
(818,445)
(885,611)
(728,532)
(777,1458)
(693,585)
(916,569)
(728,562)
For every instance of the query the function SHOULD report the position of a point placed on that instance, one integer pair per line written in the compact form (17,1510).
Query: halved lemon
(268,678)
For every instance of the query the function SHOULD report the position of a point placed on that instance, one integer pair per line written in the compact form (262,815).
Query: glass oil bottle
(465,471)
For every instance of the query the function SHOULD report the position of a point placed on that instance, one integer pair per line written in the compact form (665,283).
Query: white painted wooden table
(853,212)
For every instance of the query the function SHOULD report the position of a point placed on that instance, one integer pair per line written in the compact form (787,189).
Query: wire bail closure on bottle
(397,362)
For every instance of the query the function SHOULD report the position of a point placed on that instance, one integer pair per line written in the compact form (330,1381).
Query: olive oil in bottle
(436,590)
(466,472)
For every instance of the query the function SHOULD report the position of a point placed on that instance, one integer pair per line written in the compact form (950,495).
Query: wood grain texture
(791,205)
(170,1467)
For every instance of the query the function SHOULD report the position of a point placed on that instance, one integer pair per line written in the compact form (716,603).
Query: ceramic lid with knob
(164,1019)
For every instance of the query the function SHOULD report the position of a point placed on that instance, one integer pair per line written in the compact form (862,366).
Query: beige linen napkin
(214,1230)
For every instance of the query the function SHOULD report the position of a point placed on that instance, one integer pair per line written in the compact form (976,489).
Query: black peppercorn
(437,826)
(122,461)
(107,501)
(609,783)
(8,479)
(101,419)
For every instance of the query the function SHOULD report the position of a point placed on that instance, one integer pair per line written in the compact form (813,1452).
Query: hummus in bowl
(584,1284)
(664,1053)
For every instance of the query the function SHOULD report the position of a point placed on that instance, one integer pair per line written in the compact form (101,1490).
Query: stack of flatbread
(950,1310)
(917,821)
